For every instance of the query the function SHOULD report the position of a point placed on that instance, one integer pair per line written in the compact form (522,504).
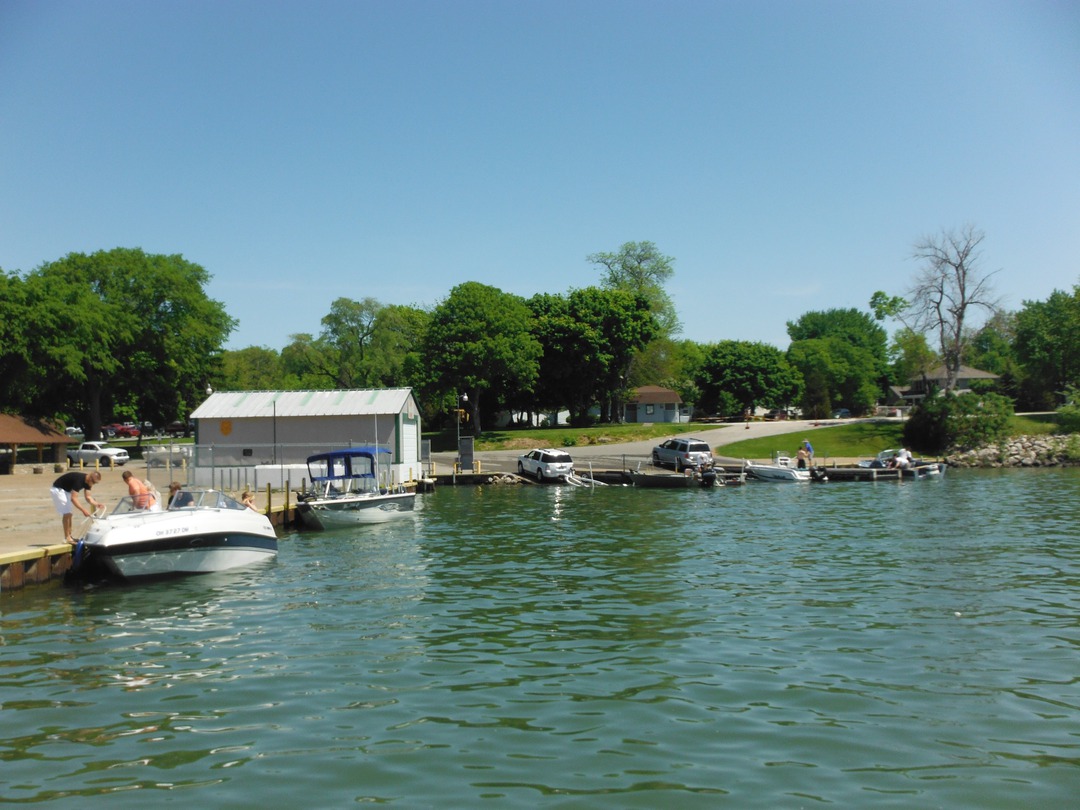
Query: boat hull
(332,513)
(202,554)
(178,542)
(777,473)
(673,481)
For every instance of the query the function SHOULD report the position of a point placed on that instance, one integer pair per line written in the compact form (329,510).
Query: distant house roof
(964,373)
(347,402)
(23,430)
(655,395)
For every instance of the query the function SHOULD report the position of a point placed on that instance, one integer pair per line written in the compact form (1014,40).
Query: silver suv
(682,453)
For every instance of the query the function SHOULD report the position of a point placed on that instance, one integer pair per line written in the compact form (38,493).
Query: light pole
(458,400)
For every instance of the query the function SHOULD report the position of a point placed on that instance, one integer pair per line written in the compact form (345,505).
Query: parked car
(682,453)
(178,429)
(778,414)
(91,453)
(841,413)
(546,464)
(127,431)
(73,430)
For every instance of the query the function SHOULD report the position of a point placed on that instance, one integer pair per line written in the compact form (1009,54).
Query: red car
(126,431)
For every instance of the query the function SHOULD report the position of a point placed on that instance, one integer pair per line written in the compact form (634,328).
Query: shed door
(408,444)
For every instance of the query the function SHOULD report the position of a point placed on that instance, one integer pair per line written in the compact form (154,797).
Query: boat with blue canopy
(350,487)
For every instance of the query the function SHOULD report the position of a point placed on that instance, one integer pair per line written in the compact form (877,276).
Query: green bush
(927,428)
(1069,415)
(963,421)
(1069,418)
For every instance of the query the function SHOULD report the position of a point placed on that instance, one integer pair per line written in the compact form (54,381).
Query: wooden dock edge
(34,566)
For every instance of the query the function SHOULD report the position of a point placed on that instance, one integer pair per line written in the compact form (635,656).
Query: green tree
(346,335)
(588,338)
(842,356)
(640,268)
(1048,347)
(253,368)
(123,326)
(752,374)
(991,349)
(308,363)
(394,356)
(849,325)
(912,357)
(836,373)
(16,357)
(479,341)
(684,359)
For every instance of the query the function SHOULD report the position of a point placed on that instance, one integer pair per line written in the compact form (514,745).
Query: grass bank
(855,440)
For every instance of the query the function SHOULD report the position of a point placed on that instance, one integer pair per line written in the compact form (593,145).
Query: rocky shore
(1022,451)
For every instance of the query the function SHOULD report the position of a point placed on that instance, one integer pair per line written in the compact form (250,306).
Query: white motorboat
(781,470)
(202,530)
(167,455)
(346,490)
(913,467)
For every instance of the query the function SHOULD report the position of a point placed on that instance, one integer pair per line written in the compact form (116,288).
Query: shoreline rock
(1022,451)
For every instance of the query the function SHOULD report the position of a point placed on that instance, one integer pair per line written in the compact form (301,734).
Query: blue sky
(787,155)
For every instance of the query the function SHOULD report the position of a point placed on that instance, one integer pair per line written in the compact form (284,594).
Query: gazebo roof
(16,430)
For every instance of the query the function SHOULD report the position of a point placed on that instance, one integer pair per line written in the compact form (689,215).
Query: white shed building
(266,436)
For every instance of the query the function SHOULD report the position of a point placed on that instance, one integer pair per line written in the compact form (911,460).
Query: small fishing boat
(346,490)
(909,467)
(782,471)
(926,469)
(705,477)
(202,531)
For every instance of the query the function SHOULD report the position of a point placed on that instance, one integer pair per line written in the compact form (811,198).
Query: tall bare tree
(950,285)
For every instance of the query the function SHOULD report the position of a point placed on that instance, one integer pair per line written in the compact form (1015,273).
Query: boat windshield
(203,499)
(126,504)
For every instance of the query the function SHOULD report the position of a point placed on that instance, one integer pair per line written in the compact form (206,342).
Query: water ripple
(771,646)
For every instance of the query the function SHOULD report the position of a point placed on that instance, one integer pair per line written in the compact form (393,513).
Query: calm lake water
(905,645)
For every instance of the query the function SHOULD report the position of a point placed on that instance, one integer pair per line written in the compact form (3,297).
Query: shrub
(964,421)
(927,428)
(1069,414)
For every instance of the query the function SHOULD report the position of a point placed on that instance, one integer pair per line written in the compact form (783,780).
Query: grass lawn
(1039,424)
(857,440)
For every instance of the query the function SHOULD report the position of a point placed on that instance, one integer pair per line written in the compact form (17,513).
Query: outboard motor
(85,568)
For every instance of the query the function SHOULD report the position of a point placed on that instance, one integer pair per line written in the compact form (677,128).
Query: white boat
(346,490)
(202,530)
(915,468)
(780,470)
(167,455)
(926,469)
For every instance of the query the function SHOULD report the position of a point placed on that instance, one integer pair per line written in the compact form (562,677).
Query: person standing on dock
(65,496)
(809,448)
